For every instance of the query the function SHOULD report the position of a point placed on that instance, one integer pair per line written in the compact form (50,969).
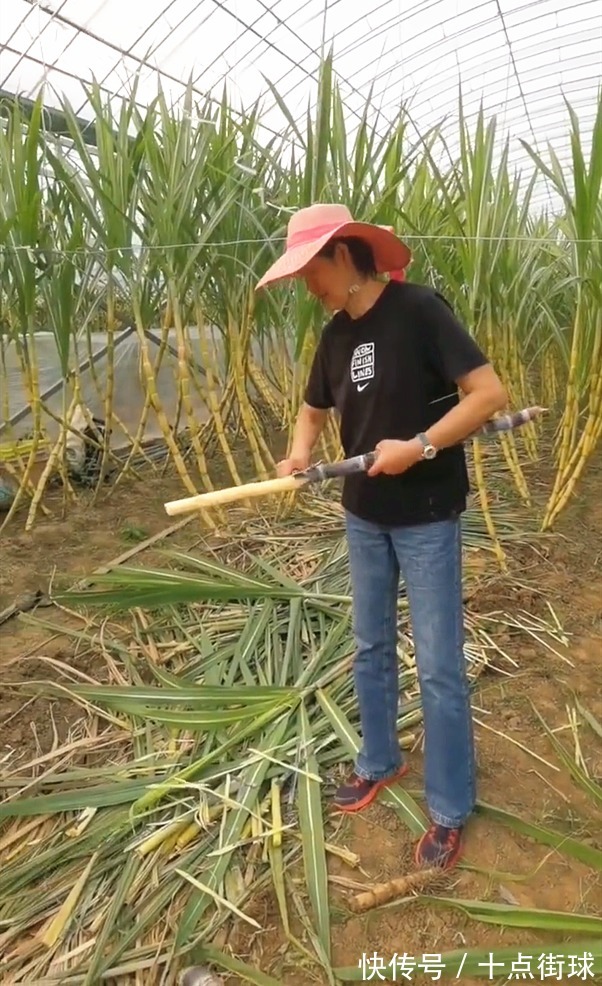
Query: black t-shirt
(390,374)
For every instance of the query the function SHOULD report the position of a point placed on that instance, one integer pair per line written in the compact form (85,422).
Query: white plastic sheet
(129,387)
(520,58)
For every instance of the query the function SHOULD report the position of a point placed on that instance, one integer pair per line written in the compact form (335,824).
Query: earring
(354,288)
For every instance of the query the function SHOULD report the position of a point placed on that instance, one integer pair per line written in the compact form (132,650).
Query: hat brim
(389,252)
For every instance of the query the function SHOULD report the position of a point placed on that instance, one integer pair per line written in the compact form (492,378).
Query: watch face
(430,452)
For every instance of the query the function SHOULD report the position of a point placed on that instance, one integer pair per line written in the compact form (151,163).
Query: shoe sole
(425,864)
(369,798)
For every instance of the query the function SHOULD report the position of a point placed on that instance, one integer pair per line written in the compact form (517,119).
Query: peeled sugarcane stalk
(322,472)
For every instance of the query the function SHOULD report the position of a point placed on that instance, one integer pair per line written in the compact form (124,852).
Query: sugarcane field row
(177,700)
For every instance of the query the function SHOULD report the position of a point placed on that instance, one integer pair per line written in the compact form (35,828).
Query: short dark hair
(359,250)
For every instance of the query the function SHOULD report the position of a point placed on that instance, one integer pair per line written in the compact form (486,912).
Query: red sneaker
(358,792)
(440,847)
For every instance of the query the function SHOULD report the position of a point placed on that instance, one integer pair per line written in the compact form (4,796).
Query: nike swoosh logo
(362,386)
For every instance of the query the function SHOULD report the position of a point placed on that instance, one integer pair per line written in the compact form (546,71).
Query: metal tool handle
(335,470)
(361,463)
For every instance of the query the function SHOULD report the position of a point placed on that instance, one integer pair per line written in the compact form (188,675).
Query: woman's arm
(308,427)
(485,394)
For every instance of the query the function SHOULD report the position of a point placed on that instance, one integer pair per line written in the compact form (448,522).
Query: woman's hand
(296,462)
(394,457)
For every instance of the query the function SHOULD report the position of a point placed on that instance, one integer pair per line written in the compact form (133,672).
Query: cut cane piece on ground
(401,886)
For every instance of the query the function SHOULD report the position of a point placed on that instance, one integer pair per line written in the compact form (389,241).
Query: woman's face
(329,278)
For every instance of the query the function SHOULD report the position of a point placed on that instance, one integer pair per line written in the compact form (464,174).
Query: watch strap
(425,443)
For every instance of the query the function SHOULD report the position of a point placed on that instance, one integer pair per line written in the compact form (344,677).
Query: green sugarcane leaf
(547,837)
(110,926)
(197,719)
(184,694)
(91,796)
(312,834)
(509,915)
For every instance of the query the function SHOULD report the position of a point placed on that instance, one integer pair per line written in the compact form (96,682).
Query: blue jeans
(429,559)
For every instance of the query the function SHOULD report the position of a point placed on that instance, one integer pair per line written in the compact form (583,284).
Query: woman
(390,361)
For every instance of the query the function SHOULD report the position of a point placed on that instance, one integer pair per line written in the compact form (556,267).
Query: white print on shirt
(362,365)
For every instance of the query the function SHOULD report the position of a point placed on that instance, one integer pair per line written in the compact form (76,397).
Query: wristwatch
(428,451)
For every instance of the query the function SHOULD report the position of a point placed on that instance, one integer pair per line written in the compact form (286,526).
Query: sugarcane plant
(167,223)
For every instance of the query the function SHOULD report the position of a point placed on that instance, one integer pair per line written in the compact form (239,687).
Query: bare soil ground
(518,769)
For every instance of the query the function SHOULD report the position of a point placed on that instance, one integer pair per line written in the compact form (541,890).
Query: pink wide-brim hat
(310,229)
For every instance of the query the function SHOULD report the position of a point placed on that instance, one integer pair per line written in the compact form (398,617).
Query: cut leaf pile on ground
(225,713)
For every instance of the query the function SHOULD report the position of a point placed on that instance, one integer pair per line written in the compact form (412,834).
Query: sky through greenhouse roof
(521,58)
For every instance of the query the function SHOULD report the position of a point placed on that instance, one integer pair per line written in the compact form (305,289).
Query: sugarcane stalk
(156,403)
(109,385)
(485,508)
(264,388)
(136,447)
(4,401)
(56,455)
(255,421)
(522,391)
(190,833)
(206,430)
(572,464)
(238,335)
(511,455)
(184,381)
(550,378)
(505,361)
(570,418)
(92,370)
(279,362)
(29,368)
(214,404)
(582,454)
(248,325)
(276,814)
(401,886)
